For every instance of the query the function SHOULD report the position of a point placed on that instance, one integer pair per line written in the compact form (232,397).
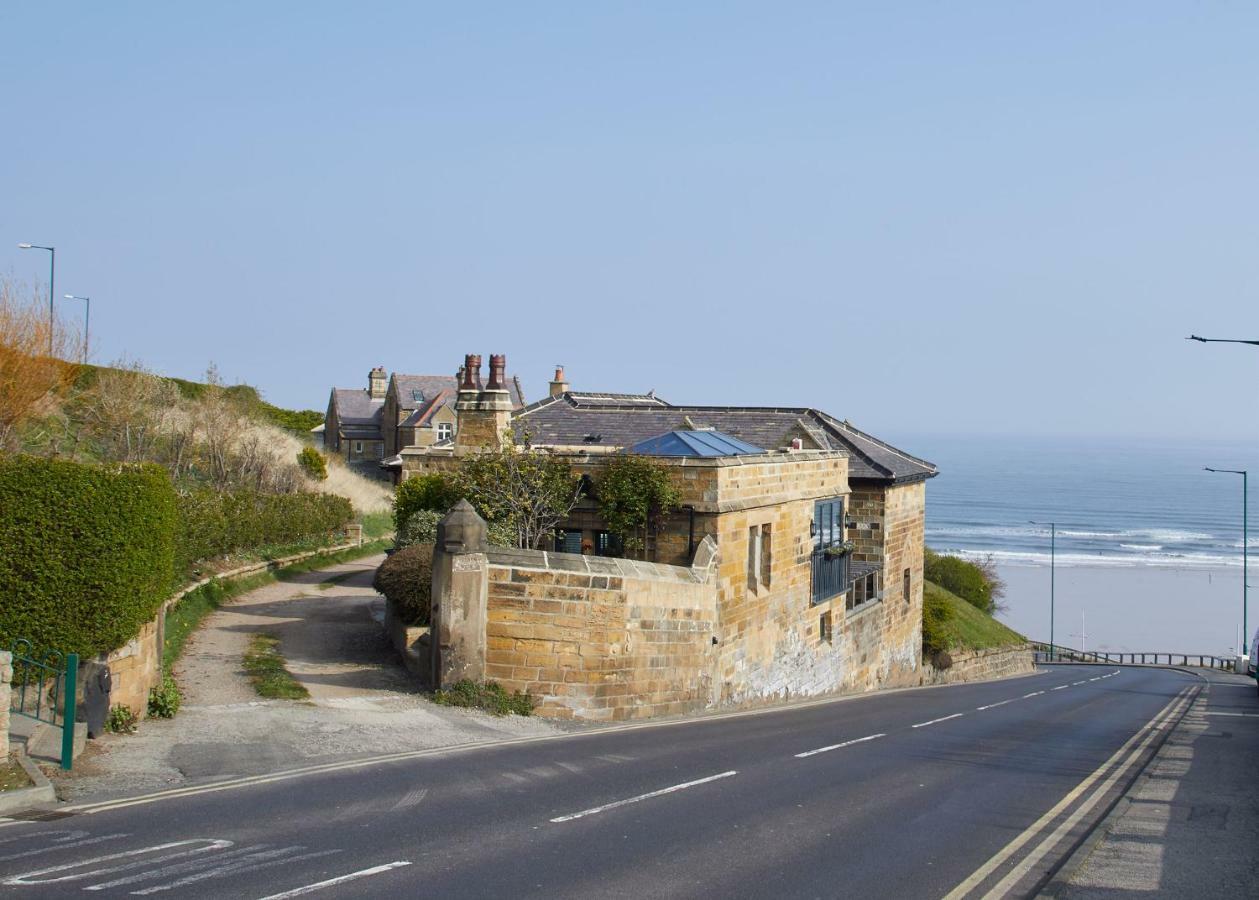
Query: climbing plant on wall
(634,492)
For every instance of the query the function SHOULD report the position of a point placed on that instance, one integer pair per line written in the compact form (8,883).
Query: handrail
(1057,653)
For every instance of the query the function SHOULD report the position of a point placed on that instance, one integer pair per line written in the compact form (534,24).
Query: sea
(1148,548)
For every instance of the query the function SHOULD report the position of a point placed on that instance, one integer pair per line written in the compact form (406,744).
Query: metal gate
(44,689)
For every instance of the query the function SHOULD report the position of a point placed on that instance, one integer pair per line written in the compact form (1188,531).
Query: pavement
(959,791)
(1189,826)
(363,702)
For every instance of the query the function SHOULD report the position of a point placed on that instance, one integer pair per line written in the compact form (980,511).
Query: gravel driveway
(363,702)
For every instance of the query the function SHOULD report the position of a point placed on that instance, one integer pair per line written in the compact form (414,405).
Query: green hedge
(215,524)
(962,577)
(87,553)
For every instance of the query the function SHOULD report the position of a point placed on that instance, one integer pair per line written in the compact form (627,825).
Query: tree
(528,491)
(32,380)
(431,491)
(313,463)
(634,493)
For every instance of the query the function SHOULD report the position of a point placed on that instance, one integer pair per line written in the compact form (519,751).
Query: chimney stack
(484,414)
(471,373)
(377,383)
(498,373)
(558,385)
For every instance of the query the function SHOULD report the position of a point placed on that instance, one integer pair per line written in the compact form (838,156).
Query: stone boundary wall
(981,665)
(6,679)
(601,639)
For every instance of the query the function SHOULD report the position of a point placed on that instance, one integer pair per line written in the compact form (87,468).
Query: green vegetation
(376,524)
(950,623)
(633,493)
(335,580)
(488,696)
(86,552)
(419,528)
(264,665)
(164,699)
(406,580)
(313,463)
(183,618)
(975,582)
(216,523)
(431,492)
(121,720)
(12,776)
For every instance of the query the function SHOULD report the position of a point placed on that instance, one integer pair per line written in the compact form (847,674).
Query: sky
(948,218)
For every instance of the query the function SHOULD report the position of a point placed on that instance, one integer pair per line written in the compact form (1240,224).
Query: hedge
(406,579)
(215,524)
(87,553)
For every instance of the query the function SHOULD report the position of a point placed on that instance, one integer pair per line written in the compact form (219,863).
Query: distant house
(395,412)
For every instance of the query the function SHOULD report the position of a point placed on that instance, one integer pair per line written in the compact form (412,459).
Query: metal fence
(1057,653)
(44,688)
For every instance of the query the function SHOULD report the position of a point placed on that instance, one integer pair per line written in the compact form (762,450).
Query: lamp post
(1202,340)
(52,285)
(87,321)
(1245,550)
(1053,540)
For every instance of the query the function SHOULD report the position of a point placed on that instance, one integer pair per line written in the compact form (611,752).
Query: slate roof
(417,391)
(623,420)
(694,443)
(359,415)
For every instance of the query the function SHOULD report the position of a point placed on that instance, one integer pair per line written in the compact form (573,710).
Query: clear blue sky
(925,217)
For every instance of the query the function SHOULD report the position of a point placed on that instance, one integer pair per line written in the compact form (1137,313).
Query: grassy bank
(183,618)
(960,626)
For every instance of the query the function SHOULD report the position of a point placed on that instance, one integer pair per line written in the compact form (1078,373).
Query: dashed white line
(1077,683)
(340,879)
(647,796)
(1239,715)
(1033,694)
(860,740)
(934,721)
(995,705)
(1061,687)
(1098,678)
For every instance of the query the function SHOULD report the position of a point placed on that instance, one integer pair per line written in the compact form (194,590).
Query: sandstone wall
(600,639)
(6,679)
(136,667)
(981,665)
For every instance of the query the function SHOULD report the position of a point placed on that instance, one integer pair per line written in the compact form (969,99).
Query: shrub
(86,552)
(432,492)
(406,580)
(633,493)
(214,524)
(937,616)
(488,696)
(164,699)
(121,720)
(966,579)
(419,528)
(313,463)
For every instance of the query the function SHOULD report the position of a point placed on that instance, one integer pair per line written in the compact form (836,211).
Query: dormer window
(417,395)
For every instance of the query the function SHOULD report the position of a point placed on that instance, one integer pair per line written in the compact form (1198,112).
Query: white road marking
(1033,694)
(1143,737)
(995,705)
(1061,687)
(178,868)
(1075,683)
(1239,715)
(263,861)
(340,879)
(934,721)
(71,839)
(647,796)
(860,740)
(1098,678)
(412,798)
(26,877)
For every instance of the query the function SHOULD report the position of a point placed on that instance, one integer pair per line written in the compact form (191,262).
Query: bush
(121,720)
(164,699)
(966,579)
(406,580)
(87,553)
(488,696)
(215,524)
(313,463)
(937,616)
(432,492)
(419,528)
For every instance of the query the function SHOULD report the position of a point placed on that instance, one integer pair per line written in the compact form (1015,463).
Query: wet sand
(1131,609)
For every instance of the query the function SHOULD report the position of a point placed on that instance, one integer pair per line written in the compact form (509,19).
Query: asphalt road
(903,795)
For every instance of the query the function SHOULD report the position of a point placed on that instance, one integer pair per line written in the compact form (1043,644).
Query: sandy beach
(1130,608)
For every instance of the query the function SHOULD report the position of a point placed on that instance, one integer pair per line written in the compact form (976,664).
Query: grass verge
(12,776)
(488,696)
(960,626)
(183,618)
(264,665)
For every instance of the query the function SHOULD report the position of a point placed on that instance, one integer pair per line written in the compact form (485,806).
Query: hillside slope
(962,626)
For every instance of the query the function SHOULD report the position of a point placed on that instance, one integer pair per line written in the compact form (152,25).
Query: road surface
(966,790)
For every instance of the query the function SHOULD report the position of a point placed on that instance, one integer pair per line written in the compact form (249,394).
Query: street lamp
(1194,337)
(52,278)
(87,321)
(1245,549)
(1053,540)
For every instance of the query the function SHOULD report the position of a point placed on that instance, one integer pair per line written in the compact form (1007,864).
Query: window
(358,446)
(445,431)
(829,566)
(767,559)
(754,557)
(607,544)
(907,586)
(379,450)
(825,627)
(567,541)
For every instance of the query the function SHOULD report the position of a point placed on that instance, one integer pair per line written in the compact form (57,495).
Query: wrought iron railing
(1058,653)
(44,688)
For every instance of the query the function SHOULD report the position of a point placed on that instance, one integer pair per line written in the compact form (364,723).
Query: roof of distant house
(694,443)
(624,420)
(356,407)
(416,392)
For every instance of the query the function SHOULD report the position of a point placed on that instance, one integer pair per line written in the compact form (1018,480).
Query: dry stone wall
(6,681)
(981,665)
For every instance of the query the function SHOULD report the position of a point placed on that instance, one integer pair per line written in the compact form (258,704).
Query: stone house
(792,567)
(394,412)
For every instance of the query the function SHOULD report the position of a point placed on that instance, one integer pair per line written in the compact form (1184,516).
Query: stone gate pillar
(460,589)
